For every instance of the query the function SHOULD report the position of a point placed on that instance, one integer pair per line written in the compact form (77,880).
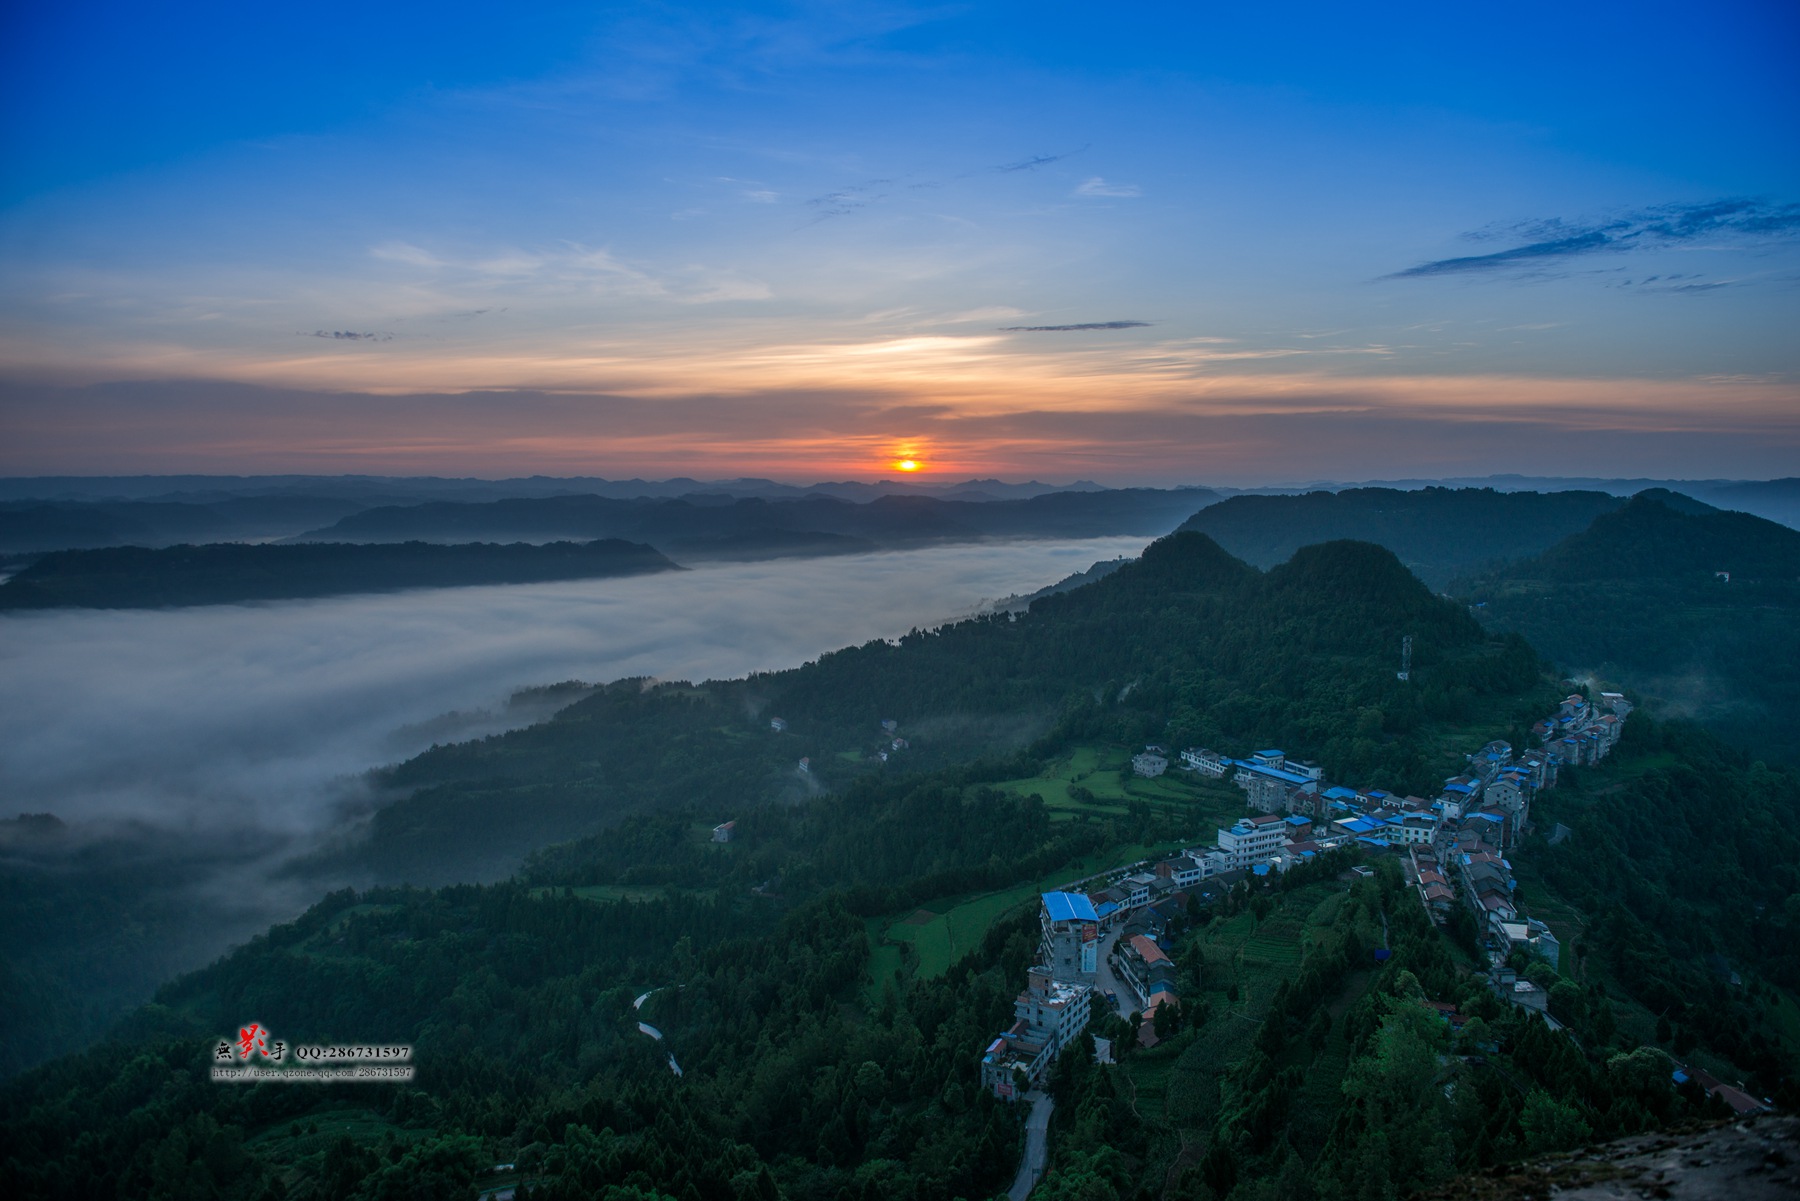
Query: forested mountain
(1698,608)
(134,577)
(721,526)
(1439,533)
(35,526)
(1186,645)
(1318,1073)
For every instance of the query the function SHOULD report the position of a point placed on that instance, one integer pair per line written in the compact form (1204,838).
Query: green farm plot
(1256,956)
(1277,943)
(943,931)
(1089,779)
(940,939)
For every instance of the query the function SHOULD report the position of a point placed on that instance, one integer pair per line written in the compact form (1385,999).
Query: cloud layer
(259,717)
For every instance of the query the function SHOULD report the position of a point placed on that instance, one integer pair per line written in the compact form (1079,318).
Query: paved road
(1037,1146)
(1128,1000)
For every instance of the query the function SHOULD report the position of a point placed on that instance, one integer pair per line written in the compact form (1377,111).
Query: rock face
(1757,1159)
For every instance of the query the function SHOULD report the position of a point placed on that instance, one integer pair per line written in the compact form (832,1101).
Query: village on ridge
(1105,947)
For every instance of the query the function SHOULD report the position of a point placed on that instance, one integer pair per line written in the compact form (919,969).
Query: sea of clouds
(262,717)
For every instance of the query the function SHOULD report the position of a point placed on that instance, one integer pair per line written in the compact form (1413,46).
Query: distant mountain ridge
(1438,533)
(131,577)
(51,514)
(705,527)
(380,489)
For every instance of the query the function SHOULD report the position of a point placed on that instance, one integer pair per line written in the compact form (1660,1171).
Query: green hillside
(1187,645)
(1643,595)
(1298,1057)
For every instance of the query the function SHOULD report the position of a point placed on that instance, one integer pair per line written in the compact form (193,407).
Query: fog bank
(261,717)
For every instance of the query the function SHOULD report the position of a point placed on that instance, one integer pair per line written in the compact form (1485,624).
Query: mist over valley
(189,755)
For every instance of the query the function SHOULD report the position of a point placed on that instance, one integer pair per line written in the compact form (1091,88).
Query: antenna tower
(1405,672)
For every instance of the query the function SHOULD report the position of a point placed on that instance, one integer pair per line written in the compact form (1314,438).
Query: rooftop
(1274,773)
(1069,907)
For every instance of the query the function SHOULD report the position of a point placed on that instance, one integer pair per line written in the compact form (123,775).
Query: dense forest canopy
(1307,1075)
(1699,608)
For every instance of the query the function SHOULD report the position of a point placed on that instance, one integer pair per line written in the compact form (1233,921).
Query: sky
(1163,244)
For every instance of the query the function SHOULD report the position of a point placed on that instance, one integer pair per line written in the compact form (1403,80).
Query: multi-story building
(1137,889)
(1253,840)
(1182,870)
(1070,946)
(1410,829)
(1207,763)
(1149,763)
(1047,1017)
(1266,785)
(1143,965)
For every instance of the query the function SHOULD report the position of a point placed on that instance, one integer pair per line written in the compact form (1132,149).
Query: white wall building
(1252,840)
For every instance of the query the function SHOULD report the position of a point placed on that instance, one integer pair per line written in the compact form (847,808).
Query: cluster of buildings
(1454,842)
(1454,846)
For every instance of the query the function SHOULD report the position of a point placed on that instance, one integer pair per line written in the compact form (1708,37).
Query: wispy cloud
(847,200)
(345,335)
(1037,160)
(1070,329)
(566,269)
(1547,241)
(1096,186)
(405,252)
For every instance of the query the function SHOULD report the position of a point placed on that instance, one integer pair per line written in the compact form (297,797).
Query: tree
(1551,1125)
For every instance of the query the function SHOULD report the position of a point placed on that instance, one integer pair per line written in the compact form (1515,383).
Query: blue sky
(808,240)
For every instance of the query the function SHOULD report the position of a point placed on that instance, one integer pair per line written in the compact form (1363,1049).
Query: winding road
(1037,1146)
(652,1031)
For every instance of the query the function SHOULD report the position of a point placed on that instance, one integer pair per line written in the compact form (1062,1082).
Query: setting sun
(907,465)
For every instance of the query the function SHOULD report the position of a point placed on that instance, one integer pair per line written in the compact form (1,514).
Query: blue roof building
(1069,907)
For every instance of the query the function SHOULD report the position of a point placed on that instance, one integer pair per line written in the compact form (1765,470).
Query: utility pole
(1405,672)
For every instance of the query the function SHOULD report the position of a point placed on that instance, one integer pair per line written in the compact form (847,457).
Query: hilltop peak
(1675,501)
(1350,567)
(1191,559)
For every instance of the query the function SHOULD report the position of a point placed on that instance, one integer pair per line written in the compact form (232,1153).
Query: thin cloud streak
(1663,226)
(1065,329)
